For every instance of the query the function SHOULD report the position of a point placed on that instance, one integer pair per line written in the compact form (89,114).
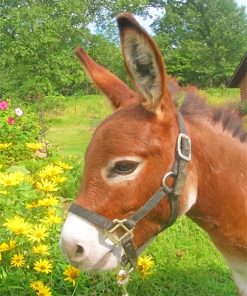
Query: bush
(21,134)
(17,128)
(30,218)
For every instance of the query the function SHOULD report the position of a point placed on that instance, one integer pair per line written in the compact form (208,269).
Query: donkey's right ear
(115,89)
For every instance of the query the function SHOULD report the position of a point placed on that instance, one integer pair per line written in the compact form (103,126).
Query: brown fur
(195,107)
(218,170)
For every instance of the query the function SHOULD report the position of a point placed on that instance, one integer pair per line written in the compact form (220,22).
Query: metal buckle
(116,238)
(181,137)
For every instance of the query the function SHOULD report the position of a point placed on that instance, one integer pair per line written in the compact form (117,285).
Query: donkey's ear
(144,64)
(115,89)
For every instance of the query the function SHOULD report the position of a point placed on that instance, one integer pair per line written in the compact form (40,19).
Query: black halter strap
(112,228)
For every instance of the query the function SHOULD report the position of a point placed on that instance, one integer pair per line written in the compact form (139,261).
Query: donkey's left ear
(145,65)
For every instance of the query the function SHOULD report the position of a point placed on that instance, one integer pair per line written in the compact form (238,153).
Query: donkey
(141,174)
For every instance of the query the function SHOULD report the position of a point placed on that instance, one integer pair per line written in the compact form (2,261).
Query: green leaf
(21,169)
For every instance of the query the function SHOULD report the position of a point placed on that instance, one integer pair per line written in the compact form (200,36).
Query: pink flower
(3,105)
(18,112)
(11,120)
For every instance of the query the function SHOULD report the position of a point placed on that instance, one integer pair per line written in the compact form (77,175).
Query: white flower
(18,112)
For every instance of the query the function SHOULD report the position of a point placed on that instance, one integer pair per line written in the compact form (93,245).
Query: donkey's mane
(194,106)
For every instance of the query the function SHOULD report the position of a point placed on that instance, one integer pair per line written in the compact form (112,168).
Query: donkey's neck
(221,167)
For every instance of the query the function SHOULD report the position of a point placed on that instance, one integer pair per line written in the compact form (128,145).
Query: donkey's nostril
(79,250)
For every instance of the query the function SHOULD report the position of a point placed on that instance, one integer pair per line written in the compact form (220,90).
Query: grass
(72,139)
(186,262)
(71,129)
(221,96)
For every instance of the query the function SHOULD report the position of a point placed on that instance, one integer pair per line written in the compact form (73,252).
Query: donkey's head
(129,154)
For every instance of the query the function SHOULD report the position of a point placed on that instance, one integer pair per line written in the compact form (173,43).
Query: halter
(120,232)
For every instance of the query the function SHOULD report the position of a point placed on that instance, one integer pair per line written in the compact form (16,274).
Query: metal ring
(168,189)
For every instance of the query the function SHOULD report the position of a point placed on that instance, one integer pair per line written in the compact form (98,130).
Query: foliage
(202,41)
(38,39)
(107,54)
(105,21)
(17,128)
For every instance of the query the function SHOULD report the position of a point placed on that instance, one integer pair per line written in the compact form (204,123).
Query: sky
(147,22)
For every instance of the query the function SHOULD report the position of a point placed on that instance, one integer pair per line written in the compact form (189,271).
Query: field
(186,262)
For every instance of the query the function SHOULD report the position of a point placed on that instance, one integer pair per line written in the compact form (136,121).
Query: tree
(202,40)
(38,39)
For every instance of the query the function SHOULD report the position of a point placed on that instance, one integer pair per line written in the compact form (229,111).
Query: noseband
(120,232)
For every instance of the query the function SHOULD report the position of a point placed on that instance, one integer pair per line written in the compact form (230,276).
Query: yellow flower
(145,265)
(5,145)
(6,247)
(17,225)
(41,249)
(47,186)
(3,247)
(12,244)
(50,171)
(35,146)
(37,285)
(44,291)
(51,212)
(43,266)
(32,205)
(11,179)
(64,165)
(3,192)
(38,233)
(17,260)
(29,179)
(71,274)
(48,201)
(52,219)
(59,179)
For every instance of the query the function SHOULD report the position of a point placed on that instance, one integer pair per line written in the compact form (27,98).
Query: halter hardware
(185,155)
(167,188)
(120,232)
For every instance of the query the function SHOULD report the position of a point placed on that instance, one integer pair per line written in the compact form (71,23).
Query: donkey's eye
(123,167)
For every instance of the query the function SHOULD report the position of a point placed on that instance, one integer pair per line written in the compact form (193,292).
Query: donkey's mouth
(103,261)
(108,262)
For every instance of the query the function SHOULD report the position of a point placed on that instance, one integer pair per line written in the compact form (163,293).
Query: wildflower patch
(31,213)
